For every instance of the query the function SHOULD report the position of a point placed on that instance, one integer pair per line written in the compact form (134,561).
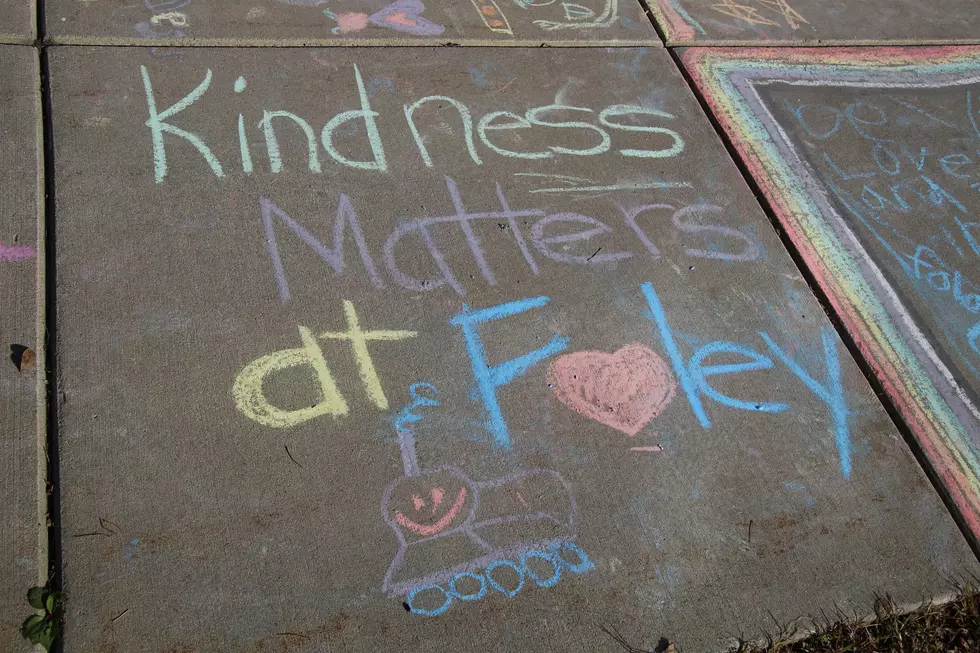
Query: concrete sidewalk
(356,348)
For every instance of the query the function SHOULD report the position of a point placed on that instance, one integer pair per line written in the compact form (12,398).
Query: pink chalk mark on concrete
(425,530)
(625,389)
(351,22)
(15,252)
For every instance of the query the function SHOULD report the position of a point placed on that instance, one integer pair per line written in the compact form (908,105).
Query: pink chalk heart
(625,389)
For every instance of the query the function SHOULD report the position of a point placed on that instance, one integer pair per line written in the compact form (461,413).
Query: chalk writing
(692,220)
(664,142)
(251,400)
(625,389)
(491,377)
(693,376)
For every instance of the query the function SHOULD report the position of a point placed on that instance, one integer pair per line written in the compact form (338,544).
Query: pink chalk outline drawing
(625,389)
(517,524)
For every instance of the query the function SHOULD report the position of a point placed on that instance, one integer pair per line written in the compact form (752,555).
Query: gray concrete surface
(23,538)
(17,21)
(873,172)
(367,22)
(816,22)
(302,411)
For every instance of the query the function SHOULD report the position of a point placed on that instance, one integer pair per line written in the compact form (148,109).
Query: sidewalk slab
(816,22)
(456,354)
(23,503)
(17,21)
(365,22)
(869,159)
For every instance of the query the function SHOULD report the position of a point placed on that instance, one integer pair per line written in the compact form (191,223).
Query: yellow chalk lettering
(251,400)
(358,340)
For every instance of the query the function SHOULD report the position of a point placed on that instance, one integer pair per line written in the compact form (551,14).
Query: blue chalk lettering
(489,378)
(687,383)
(757,361)
(830,392)
(973,337)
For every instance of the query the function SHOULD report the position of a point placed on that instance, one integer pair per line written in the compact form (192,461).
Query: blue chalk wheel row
(553,556)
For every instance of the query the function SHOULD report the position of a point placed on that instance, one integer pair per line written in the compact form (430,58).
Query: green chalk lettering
(464,114)
(374,136)
(533,117)
(243,146)
(272,143)
(630,109)
(514,122)
(158,127)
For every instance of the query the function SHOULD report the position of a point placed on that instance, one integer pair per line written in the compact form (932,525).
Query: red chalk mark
(504,87)
(625,389)
(15,252)
(350,22)
(437,494)
(399,18)
(655,448)
(520,498)
(438,526)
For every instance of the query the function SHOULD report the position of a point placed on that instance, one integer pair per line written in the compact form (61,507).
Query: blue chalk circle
(584,563)
(468,597)
(554,561)
(429,613)
(500,588)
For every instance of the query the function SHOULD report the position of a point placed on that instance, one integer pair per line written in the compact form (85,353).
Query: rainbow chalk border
(928,397)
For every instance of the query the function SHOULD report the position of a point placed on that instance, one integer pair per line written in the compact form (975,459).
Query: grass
(952,627)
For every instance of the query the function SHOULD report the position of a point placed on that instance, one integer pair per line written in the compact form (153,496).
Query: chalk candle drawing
(755,16)
(925,391)
(493,18)
(501,533)
(401,16)
(624,390)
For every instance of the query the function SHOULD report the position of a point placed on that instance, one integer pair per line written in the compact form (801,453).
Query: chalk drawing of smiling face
(430,504)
